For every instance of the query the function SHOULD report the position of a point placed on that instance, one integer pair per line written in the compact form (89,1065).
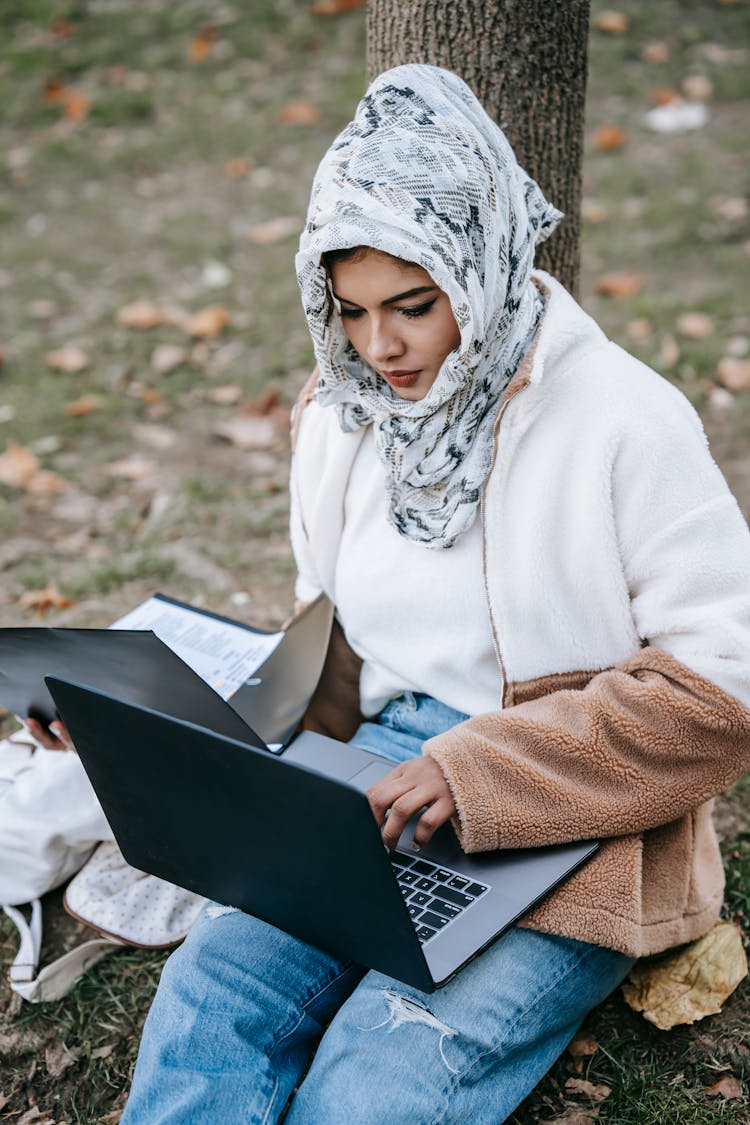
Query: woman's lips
(401,378)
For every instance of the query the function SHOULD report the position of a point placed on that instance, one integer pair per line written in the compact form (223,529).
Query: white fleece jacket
(617,569)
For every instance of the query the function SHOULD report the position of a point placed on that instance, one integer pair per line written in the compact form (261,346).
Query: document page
(222,654)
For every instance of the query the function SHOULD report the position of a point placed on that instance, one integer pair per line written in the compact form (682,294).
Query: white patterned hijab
(425,175)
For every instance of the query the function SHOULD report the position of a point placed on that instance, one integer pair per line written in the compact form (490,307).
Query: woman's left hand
(404,791)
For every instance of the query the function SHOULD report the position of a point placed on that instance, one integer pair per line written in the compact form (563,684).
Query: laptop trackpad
(370,774)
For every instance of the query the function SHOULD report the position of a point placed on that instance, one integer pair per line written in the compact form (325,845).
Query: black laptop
(290,837)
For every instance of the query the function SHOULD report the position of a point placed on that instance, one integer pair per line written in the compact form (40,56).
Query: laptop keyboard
(434,895)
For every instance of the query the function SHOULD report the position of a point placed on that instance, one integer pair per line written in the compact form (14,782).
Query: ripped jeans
(242,1008)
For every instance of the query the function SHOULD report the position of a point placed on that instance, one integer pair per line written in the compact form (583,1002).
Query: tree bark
(526,60)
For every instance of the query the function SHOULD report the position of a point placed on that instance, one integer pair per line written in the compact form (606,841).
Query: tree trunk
(526,62)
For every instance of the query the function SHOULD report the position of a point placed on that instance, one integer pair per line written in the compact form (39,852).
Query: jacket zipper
(485,583)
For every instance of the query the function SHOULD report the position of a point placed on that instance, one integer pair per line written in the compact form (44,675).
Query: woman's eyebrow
(390,300)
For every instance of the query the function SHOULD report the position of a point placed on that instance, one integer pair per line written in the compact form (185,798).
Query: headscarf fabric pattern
(424,174)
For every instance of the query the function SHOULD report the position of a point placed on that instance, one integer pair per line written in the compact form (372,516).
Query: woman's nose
(385,343)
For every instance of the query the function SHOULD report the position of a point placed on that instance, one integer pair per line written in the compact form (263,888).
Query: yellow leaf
(87,404)
(40,601)
(727,1086)
(609,138)
(614,23)
(140,314)
(298,112)
(17,465)
(690,984)
(581,1046)
(274,230)
(76,105)
(202,45)
(734,373)
(208,323)
(620,284)
(335,7)
(69,359)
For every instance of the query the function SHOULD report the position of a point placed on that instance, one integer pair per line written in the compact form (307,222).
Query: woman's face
(396,318)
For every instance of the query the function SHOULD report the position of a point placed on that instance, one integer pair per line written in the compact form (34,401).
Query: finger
(402,810)
(43,735)
(60,731)
(432,819)
(382,795)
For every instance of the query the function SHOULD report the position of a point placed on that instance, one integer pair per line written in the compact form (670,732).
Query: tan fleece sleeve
(642,744)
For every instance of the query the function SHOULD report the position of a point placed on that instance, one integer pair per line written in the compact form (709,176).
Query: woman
(542,586)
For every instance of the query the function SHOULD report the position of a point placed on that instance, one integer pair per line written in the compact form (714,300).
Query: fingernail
(415,847)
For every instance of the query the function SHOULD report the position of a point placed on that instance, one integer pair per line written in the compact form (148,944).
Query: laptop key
(424,884)
(447,909)
(475,889)
(442,875)
(415,911)
(406,878)
(452,895)
(421,898)
(459,882)
(424,933)
(435,920)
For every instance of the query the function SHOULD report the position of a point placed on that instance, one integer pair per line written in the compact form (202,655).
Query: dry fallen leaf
(727,1086)
(225,395)
(103,1052)
(17,465)
(593,211)
(690,984)
(619,284)
(577,1117)
(734,373)
(131,468)
(662,95)
(614,23)
(45,483)
(639,329)
(582,1045)
(610,138)
(40,601)
(202,45)
(656,53)
(274,230)
(597,1093)
(669,352)
(167,357)
(54,91)
(247,432)
(57,1058)
(733,208)
(87,404)
(208,323)
(299,112)
(238,167)
(697,87)
(696,325)
(69,359)
(140,314)
(335,7)
(76,105)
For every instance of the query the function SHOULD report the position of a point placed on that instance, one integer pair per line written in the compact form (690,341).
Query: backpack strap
(56,979)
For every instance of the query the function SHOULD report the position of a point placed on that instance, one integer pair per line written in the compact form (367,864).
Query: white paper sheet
(224,655)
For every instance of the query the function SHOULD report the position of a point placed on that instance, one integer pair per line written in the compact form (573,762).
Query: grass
(133,202)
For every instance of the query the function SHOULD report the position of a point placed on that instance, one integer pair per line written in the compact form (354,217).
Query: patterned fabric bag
(51,826)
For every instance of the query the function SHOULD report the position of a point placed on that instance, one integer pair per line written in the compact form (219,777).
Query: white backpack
(52,826)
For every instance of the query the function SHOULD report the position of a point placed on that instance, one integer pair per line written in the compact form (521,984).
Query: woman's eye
(351,314)
(418,310)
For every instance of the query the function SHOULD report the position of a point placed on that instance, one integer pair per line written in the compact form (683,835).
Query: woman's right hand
(54,737)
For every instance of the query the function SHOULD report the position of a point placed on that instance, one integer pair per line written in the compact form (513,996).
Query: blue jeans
(242,1007)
